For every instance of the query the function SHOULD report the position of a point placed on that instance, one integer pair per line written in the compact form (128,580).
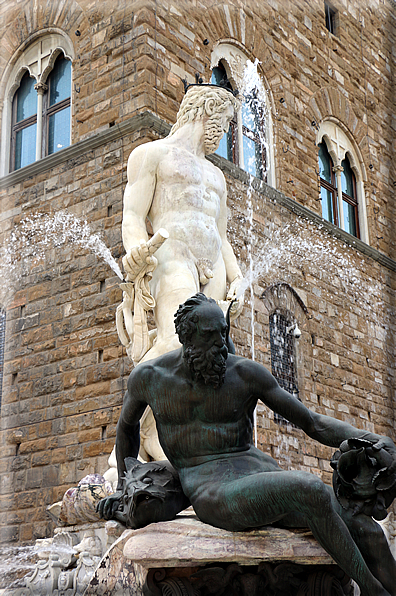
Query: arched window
(329,192)
(287,312)
(37,102)
(341,173)
(2,348)
(41,115)
(248,141)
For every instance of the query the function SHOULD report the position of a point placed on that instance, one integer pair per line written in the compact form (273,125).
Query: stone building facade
(65,370)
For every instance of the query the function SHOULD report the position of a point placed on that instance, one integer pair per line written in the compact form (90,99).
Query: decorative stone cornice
(148,121)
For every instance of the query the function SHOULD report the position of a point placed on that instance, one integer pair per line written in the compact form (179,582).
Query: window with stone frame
(2,348)
(242,144)
(331,18)
(283,365)
(248,141)
(41,115)
(36,118)
(338,193)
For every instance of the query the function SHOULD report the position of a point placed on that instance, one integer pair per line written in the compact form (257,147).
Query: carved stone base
(266,579)
(185,557)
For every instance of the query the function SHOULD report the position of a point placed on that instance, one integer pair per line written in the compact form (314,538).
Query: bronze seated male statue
(203,399)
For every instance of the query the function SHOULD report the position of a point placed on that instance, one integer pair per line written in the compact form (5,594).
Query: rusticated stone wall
(65,371)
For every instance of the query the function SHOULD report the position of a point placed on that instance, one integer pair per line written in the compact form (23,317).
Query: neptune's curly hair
(186,318)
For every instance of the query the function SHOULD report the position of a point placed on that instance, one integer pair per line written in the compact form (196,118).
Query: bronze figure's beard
(208,366)
(213,134)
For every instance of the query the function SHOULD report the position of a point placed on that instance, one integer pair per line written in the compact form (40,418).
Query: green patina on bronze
(203,399)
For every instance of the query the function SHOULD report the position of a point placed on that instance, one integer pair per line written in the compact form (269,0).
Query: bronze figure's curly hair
(186,319)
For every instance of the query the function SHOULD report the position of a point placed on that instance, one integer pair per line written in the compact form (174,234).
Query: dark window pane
(222,149)
(347,178)
(252,157)
(59,131)
(2,347)
(25,146)
(249,115)
(327,204)
(325,163)
(225,148)
(60,81)
(330,14)
(26,97)
(349,218)
(219,76)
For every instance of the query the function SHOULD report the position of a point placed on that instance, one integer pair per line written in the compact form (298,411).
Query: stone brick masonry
(65,371)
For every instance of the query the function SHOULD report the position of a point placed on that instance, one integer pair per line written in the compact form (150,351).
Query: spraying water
(302,248)
(299,247)
(302,245)
(35,235)
(15,563)
(254,114)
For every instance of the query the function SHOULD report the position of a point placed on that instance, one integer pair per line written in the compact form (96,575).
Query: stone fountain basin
(186,542)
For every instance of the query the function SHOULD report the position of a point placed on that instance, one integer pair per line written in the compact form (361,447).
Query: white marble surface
(186,541)
(184,196)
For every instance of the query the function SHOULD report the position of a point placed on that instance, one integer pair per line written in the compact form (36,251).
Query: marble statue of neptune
(183,195)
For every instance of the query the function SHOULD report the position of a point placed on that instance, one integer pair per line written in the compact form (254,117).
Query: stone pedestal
(185,557)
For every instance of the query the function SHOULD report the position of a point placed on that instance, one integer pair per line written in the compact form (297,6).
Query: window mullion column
(41,89)
(241,160)
(338,171)
(362,212)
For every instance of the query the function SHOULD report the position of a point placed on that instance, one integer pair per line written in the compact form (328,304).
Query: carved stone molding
(266,579)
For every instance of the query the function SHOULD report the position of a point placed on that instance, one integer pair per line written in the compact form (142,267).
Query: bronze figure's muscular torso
(203,400)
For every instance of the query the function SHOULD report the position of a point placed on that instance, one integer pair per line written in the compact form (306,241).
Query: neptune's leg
(263,498)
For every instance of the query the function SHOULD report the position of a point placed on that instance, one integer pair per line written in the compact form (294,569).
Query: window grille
(282,356)
(2,347)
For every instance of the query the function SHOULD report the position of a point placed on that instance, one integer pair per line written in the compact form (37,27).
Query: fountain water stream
(301,247)
(254,109)
(15,563)
(31,239)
